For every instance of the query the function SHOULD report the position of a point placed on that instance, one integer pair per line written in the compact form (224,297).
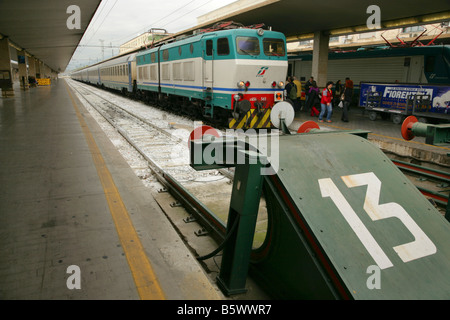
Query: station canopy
(299,19)
(40,28)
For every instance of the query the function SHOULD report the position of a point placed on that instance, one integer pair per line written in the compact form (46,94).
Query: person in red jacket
(326,106)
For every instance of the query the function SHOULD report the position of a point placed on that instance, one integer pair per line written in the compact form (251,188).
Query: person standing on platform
(297,102)
(347,99)
(326,102)
(308,85)
(337,93)
(313,99)
(291,91)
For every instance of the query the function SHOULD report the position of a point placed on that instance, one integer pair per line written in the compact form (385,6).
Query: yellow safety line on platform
(144,277)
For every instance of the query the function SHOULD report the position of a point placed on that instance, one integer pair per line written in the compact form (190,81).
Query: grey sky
(117,21)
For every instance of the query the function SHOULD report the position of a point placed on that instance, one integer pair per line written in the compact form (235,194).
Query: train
(227,75)
(424,65)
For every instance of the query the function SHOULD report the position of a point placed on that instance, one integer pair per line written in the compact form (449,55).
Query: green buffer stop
(343,222)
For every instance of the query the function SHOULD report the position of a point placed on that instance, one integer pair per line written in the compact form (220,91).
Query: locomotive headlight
(236,97)
(281,84)
(241,84)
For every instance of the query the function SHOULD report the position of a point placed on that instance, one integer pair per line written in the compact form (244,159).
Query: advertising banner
(407,99)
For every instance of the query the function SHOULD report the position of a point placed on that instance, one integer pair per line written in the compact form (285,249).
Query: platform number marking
(422,246)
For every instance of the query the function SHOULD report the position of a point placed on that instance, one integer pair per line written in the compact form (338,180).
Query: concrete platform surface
(73,214)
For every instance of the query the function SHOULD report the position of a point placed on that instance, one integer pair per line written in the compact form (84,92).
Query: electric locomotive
(233,74)
(228,74)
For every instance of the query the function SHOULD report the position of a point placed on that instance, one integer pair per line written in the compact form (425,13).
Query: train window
(153,73)
(273,47)
(209,47)
(191,48)
(179,50)
(165,72)
(188,71)
(430,63)
(153,57)
(247,45)
(223,48)
(166,55)
(176,70)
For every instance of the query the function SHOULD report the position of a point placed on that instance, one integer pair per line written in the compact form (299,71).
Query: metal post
(246,194)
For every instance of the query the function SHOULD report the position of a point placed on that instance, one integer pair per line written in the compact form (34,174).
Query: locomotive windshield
(248,45)
(273,47)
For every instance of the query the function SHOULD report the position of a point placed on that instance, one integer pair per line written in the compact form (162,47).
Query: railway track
(434,184)
(155,144)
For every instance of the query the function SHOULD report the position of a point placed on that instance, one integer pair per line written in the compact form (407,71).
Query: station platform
(385,134)
(75,221)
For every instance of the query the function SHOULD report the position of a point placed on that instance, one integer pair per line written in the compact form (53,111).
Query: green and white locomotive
(227,74)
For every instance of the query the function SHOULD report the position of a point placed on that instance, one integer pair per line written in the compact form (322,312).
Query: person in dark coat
(347,99)
(308,85)
(337,93)
(291,92)
(314,99)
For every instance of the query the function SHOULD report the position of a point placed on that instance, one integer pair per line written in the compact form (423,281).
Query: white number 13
(422,246)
